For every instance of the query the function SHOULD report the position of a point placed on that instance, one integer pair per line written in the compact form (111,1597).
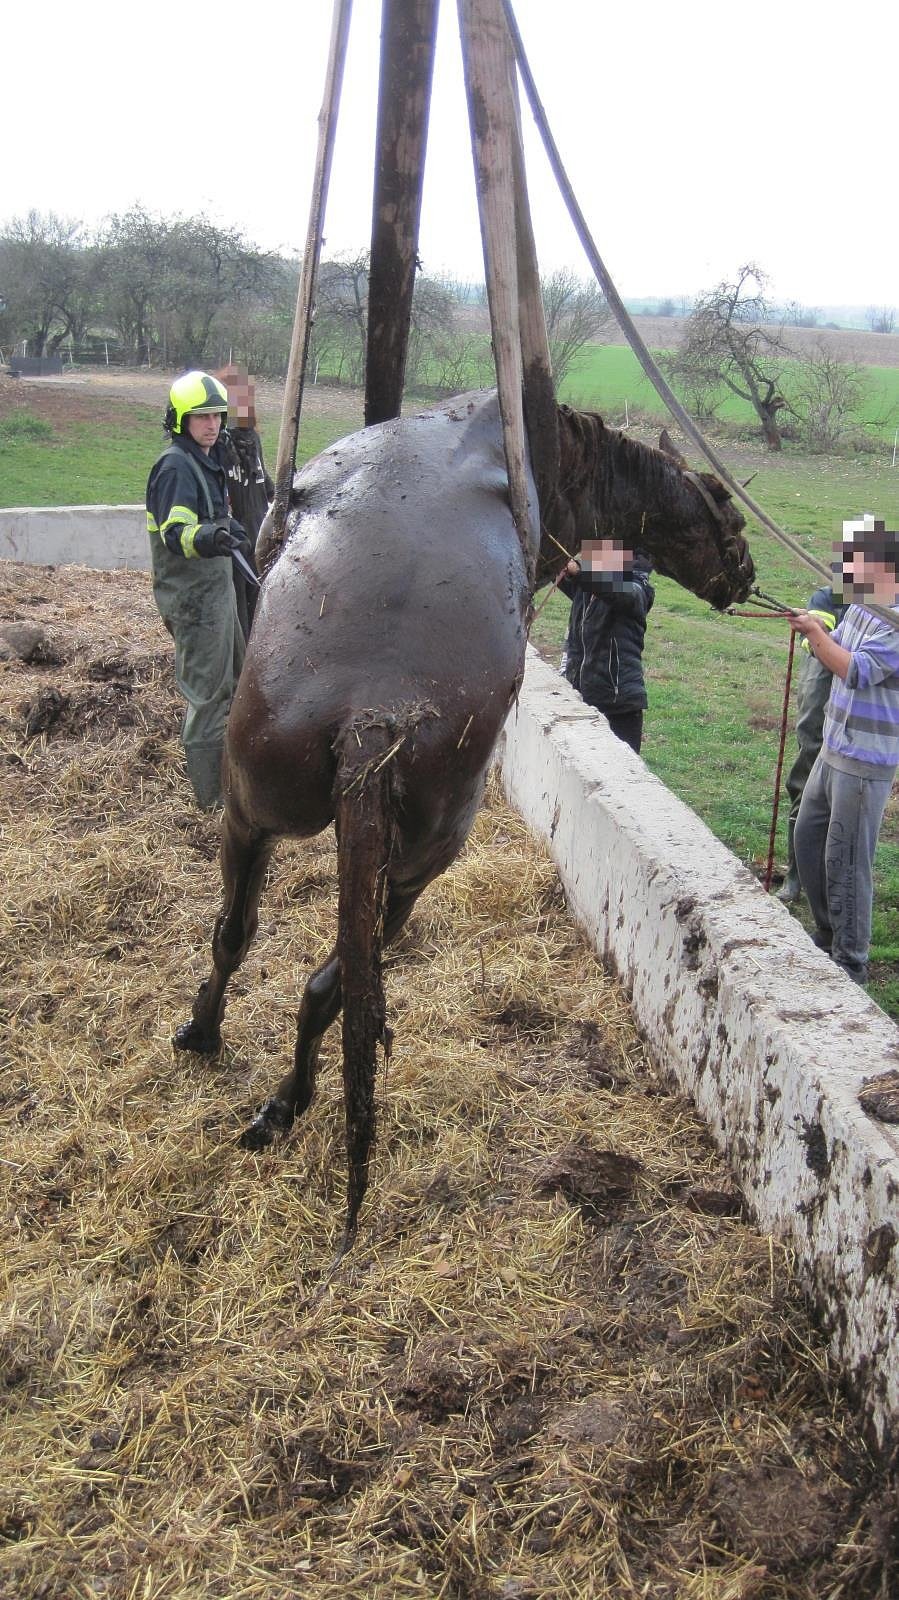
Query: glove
(221,537)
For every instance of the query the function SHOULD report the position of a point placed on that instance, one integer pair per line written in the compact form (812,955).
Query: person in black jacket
(250,488)
(611,598)
(188,517)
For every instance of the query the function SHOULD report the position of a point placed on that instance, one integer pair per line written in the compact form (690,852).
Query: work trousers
(195,598)
(836,835)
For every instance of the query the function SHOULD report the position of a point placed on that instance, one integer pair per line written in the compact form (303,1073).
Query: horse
(387,649)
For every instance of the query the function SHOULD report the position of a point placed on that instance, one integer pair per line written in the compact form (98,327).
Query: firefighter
(192,537)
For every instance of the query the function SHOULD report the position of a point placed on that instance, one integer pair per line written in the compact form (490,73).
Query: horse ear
(669,448)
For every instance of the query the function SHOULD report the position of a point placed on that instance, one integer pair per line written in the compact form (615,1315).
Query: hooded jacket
(606,631)
(250,488)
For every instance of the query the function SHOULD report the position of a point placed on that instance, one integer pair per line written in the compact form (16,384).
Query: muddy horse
(387,650)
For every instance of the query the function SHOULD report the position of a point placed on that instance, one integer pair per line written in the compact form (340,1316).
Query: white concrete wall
(771,1040)
(87,536)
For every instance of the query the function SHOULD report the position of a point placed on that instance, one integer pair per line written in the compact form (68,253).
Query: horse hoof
(272,1118)
(190,1036)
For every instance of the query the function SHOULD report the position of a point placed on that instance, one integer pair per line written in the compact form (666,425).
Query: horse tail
(364,813)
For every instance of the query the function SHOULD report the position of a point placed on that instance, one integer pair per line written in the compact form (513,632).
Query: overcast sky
(697,135)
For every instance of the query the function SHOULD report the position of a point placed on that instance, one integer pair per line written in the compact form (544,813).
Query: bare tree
(728,340)
(881,319)
(259,329)
(136,248)
(43,278)
(575,312)
(827,395)
(459,361)
(699,385)
(432,323)
(211,272)
(341,317)
(797,315)
(341,320)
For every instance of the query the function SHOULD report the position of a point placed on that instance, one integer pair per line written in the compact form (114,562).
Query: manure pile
(558,1362)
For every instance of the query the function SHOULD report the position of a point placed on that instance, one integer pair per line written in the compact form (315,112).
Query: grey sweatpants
(812,697)
(836,835)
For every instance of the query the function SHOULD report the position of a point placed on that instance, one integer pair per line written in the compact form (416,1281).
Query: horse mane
(614,475)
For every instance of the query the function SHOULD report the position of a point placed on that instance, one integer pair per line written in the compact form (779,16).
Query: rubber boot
(204,768)
(791,889)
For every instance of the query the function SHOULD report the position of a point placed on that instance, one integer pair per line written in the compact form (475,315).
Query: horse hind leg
(320,1006)
(244,860)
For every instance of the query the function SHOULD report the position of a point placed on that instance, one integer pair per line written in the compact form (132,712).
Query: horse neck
(612,485)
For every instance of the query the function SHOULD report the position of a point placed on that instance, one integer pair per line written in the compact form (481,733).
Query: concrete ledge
(87,536)
(769,1038)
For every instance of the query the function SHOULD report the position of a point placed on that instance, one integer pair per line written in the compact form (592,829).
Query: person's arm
(176,507)
(632,597)
(176,500)
(822,646)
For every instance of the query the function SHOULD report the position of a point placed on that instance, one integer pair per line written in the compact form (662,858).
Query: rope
(769,869)
(626,323)
(775,616)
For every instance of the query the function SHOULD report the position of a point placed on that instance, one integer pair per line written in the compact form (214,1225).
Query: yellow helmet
(195,392)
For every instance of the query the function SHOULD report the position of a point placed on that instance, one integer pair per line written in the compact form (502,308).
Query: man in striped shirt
(849,785)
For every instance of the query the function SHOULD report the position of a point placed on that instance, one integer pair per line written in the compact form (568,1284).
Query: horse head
(686,521)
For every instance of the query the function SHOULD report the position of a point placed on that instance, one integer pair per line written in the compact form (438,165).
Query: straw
(558,1361)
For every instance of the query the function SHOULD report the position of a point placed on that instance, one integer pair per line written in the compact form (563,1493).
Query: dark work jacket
(606,630)
(176,504)
(249,485)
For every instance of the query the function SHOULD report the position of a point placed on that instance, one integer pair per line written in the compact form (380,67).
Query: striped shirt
(861,722)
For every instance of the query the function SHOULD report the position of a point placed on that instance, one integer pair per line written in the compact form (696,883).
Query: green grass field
(80,464)
(715,683)
(604,375)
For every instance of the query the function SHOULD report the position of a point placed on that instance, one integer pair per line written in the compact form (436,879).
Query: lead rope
(775,612)
(769,868)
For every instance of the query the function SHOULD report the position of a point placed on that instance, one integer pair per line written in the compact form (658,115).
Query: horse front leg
(319,1007)
(244,860)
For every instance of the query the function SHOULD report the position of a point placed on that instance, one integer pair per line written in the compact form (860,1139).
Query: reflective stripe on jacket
(185,487)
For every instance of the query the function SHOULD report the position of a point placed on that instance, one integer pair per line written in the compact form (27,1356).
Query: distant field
(607,375)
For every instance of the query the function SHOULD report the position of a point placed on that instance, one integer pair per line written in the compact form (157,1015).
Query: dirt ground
(560,1362)
(90,394)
